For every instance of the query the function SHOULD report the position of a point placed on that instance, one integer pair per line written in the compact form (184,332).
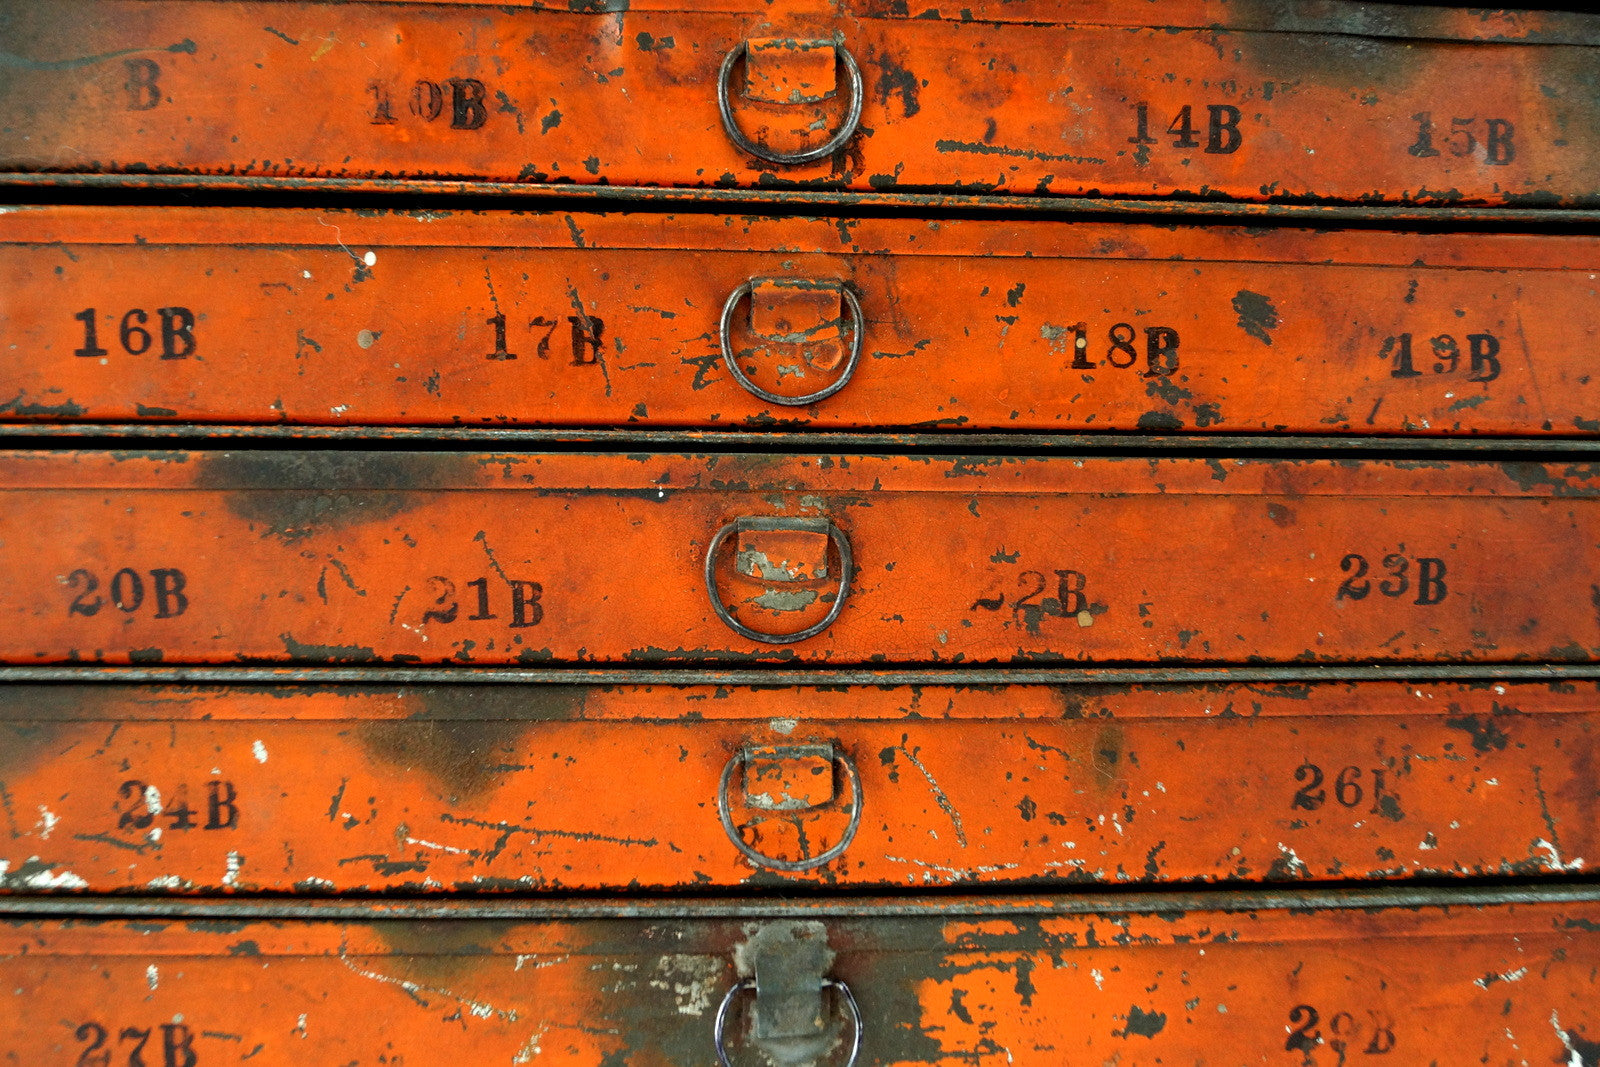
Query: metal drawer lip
(1289,110)
(997,905)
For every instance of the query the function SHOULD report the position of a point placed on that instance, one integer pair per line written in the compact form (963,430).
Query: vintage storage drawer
(1275,101)
(502,319)
(558,787)
(349,557)
(1217,978)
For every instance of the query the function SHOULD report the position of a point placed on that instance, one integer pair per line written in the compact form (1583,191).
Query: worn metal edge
(790,440)
(716,198)
(933,907)
(86,674)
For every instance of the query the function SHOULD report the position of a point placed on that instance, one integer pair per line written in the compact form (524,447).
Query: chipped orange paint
(351,557)
(583,320)
(1240,100)
(935,984)
(435,789)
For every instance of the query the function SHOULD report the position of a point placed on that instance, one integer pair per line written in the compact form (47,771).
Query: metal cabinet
(811,533)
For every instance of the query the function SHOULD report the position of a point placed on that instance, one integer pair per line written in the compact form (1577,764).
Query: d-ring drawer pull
(852,117)
(779,572)
(744,757)
(856,325)
(748,985)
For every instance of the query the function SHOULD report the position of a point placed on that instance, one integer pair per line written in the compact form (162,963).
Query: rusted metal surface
(347,557)
(504,320)
(437,789)
(1421,984)
(1245,101)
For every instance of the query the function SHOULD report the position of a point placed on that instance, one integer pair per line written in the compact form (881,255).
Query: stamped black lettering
(1463,137)
(1481,365)
(1223,136)
(143,84)
(1121,351)
(1367,1033)
(462,102)
(492,597)
(1030,604)
(134,336)
(177,1045)
(1428,584)
(161,597)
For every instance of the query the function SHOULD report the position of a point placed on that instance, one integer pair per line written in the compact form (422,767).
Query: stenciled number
(1463,137)
(127,591)
(426,101)
(1345,1032)
(1483,356)
(144,804)
(133,333)
(1222,128)
(1430,584)
(1348,790)
(524,601)
(587,334)
(1160,348)
(1030,605)
(177,1045)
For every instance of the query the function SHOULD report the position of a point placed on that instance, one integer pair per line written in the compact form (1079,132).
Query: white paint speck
(1574,1057)
(1296,865)
(152,976)
(436,845)
(152,800)
(47,879)
(340,409)
(260,751)
(306,275)
(1510,976)
(1099,979)
(370,259)
(235,862)
(1555,857)
(47,822)
(784,726)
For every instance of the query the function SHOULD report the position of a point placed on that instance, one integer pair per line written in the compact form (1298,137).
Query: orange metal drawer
(359,557)
(1224,978)
(646,786)
(499,319)
(1341,102)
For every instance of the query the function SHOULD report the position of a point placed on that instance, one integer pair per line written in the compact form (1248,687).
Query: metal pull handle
(855,324)
(748,985)
(838,758)
(852,118)
(795,525)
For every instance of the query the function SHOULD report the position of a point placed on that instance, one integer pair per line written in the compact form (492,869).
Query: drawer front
(1343,104)
(329,789)
(463,557)
(1316,985)
(580,320)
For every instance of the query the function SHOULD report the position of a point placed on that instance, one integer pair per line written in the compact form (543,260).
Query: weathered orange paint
(938,984)
(359,557)
(584,320)
(1243,101)
(434,789)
